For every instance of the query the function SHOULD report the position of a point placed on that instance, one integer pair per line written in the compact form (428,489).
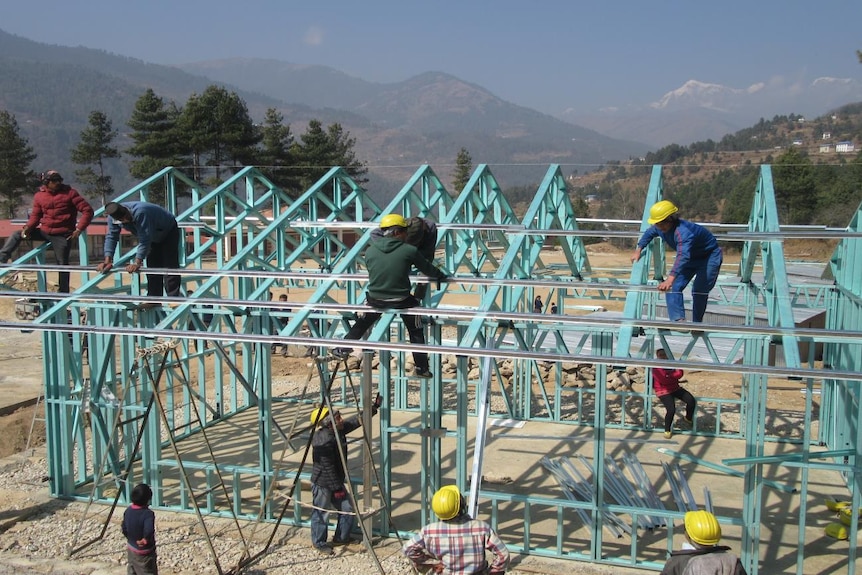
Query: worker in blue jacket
(698,258)
(158,243)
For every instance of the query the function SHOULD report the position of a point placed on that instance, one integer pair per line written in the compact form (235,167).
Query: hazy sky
(548,55)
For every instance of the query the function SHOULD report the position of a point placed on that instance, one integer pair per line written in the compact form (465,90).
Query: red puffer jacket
(665,381)
(56,213)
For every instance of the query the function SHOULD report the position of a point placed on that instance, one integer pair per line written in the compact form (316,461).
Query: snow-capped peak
(696,94)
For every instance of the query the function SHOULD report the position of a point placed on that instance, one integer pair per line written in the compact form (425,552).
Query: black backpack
(422,233)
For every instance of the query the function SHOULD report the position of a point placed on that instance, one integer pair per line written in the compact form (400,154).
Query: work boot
(348,541)
(342,352)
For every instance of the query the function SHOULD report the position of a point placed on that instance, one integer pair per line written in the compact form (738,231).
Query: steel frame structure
(246,237)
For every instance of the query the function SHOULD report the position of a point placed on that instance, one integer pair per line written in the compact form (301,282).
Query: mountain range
(398,126)
(697,111)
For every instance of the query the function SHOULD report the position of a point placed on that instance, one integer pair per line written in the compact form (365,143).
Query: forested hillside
(715,181)
(51,90)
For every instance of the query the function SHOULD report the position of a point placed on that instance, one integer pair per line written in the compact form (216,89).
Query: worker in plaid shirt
(457,544)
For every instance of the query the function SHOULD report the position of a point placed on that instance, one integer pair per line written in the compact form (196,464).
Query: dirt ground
(16,427)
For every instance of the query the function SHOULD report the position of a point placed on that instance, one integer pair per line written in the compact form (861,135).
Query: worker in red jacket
(53,218)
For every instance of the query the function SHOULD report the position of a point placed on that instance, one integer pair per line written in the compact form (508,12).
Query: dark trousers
(142,564)
(669,402)
(420,291)
(164,254)
(411,321)
(60,243)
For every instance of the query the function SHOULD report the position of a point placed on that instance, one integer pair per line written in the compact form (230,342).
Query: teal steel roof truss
(205,358)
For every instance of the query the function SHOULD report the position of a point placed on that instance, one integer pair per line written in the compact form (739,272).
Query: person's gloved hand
(442,279)
(376,405)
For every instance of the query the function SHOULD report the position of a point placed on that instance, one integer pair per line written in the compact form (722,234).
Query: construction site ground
(512,457)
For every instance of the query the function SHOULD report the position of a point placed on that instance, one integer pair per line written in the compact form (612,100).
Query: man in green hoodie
(389,259)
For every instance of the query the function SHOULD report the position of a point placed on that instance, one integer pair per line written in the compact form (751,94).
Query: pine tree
(463,171)
(16,155)
(216,128)
(92,151)
(344,154)
(794,186)
(240,137)
(275,157)
(194,129)
(321,150)
(154,135)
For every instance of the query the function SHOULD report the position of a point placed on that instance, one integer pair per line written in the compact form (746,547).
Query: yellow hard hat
(318,415)
(393,220)
(661,211)
(446,503)
(702,527)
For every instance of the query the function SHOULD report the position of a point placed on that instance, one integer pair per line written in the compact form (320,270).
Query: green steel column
(384,387)
(367,457)
(265,423)
(603,343)
(58,424)
(431,417)
(652,254)
(754,418)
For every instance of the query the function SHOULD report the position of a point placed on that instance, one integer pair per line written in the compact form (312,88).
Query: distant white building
(826,136)
(825,148)
(845,147)
(797,142)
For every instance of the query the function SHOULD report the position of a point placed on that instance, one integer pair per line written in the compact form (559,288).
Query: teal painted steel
(841,403)
(246,238)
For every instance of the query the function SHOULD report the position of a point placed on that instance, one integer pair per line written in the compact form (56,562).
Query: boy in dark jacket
(703,553)
(390,259)
(139,528)
(53,218)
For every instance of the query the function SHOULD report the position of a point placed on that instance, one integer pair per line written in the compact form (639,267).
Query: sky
(550,55)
